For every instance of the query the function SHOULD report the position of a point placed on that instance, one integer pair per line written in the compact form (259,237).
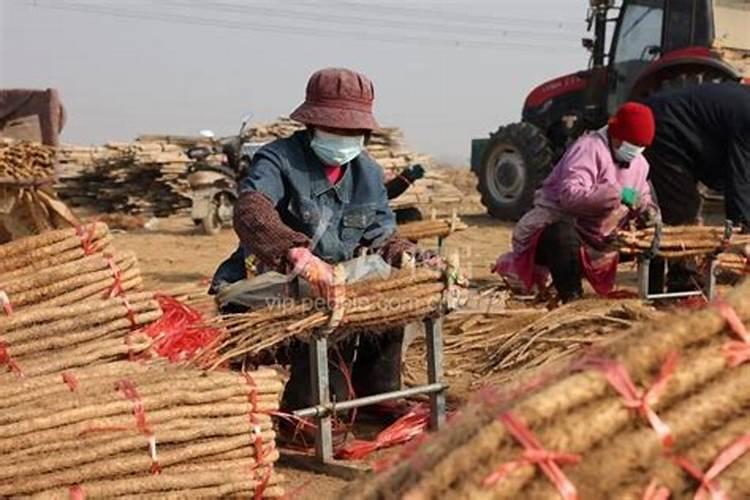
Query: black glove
(414,172)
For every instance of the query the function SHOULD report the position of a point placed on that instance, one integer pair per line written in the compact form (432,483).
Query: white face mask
(333,149)
(628,152)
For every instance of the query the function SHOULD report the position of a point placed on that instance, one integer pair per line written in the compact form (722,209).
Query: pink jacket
(586,184)
(584,187)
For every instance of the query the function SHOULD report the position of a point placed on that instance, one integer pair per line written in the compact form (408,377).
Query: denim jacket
(337,218)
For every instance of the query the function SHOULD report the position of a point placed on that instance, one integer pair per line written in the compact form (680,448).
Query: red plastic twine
(180,334)
(403,430)
(636,399)
(117,278)
(535,454)
(129,391)
(6,359)
(708,486)
(5,302)
(736,352)
(252,398)
(70,380)
(87,236)
(76,492)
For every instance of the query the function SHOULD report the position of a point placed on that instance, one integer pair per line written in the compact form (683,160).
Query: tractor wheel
(517,159)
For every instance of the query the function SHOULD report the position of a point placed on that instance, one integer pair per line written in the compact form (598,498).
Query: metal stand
(644,271)
(325,408)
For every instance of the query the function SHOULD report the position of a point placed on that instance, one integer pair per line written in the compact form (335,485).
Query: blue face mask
(333,149)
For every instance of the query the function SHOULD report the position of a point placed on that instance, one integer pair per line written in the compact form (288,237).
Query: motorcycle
(214,177)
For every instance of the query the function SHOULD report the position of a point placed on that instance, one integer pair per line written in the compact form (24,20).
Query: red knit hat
(633,123)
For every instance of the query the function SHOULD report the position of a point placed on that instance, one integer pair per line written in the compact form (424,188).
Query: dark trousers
(559,250)
(676,192)
(374,365)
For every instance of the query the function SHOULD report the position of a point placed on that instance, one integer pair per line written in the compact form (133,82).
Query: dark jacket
(703,131)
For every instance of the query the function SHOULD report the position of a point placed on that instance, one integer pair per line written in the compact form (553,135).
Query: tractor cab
(653,45)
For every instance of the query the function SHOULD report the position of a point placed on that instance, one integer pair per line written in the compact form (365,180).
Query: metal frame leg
(440,246)
(644,265)
(321,395)
(710,290)
(434,338)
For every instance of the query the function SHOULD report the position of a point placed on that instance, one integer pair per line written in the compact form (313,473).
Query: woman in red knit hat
(598,186)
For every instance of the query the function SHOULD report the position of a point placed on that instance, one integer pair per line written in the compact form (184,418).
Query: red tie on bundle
(535,454)
(736,352)
(636,399)
(708,486)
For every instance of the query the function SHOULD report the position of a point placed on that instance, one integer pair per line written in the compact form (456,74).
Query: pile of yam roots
(124,429)
(611,449)
(89,409)
(25,161)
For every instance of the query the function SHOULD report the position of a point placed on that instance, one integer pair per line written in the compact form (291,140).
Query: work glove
(630,197)
(316,272)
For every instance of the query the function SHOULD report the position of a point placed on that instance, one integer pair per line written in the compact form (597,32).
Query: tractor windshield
(637,42)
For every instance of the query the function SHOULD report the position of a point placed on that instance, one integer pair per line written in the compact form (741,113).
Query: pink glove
(316,272)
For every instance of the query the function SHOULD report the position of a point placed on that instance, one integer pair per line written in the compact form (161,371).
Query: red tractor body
(655,45)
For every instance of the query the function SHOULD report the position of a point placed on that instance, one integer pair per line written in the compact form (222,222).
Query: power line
(175,18)
(376,21)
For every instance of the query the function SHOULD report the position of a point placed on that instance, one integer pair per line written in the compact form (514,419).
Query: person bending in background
(702,135)
(598,186)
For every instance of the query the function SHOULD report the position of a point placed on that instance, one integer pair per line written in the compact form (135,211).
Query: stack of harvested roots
(501,345)
(702,395)
(680,241)
(47,340)
(734,263)
(128,430)
(371,305)
(25,161)
(96,276)
(53,248)
(28,204)
(424,229)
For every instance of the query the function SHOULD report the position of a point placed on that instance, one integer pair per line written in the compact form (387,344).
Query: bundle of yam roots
(681,241)
(90,405)
(124,429)
(663,409)
(370,305)
(25,161)
(64,267)
(433,228)
(28,203)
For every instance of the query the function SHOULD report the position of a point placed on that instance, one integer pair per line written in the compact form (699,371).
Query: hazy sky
(445,71)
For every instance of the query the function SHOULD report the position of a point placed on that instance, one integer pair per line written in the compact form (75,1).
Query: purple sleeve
(580,194)
(261,230)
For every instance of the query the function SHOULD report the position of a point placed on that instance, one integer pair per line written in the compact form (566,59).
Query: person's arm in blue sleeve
(256,221)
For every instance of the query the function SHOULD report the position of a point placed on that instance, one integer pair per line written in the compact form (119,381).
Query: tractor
(655,45)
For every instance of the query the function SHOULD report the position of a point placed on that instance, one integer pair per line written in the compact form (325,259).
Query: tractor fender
(688,60)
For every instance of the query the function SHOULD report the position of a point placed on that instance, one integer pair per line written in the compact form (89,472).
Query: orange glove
(316,272)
